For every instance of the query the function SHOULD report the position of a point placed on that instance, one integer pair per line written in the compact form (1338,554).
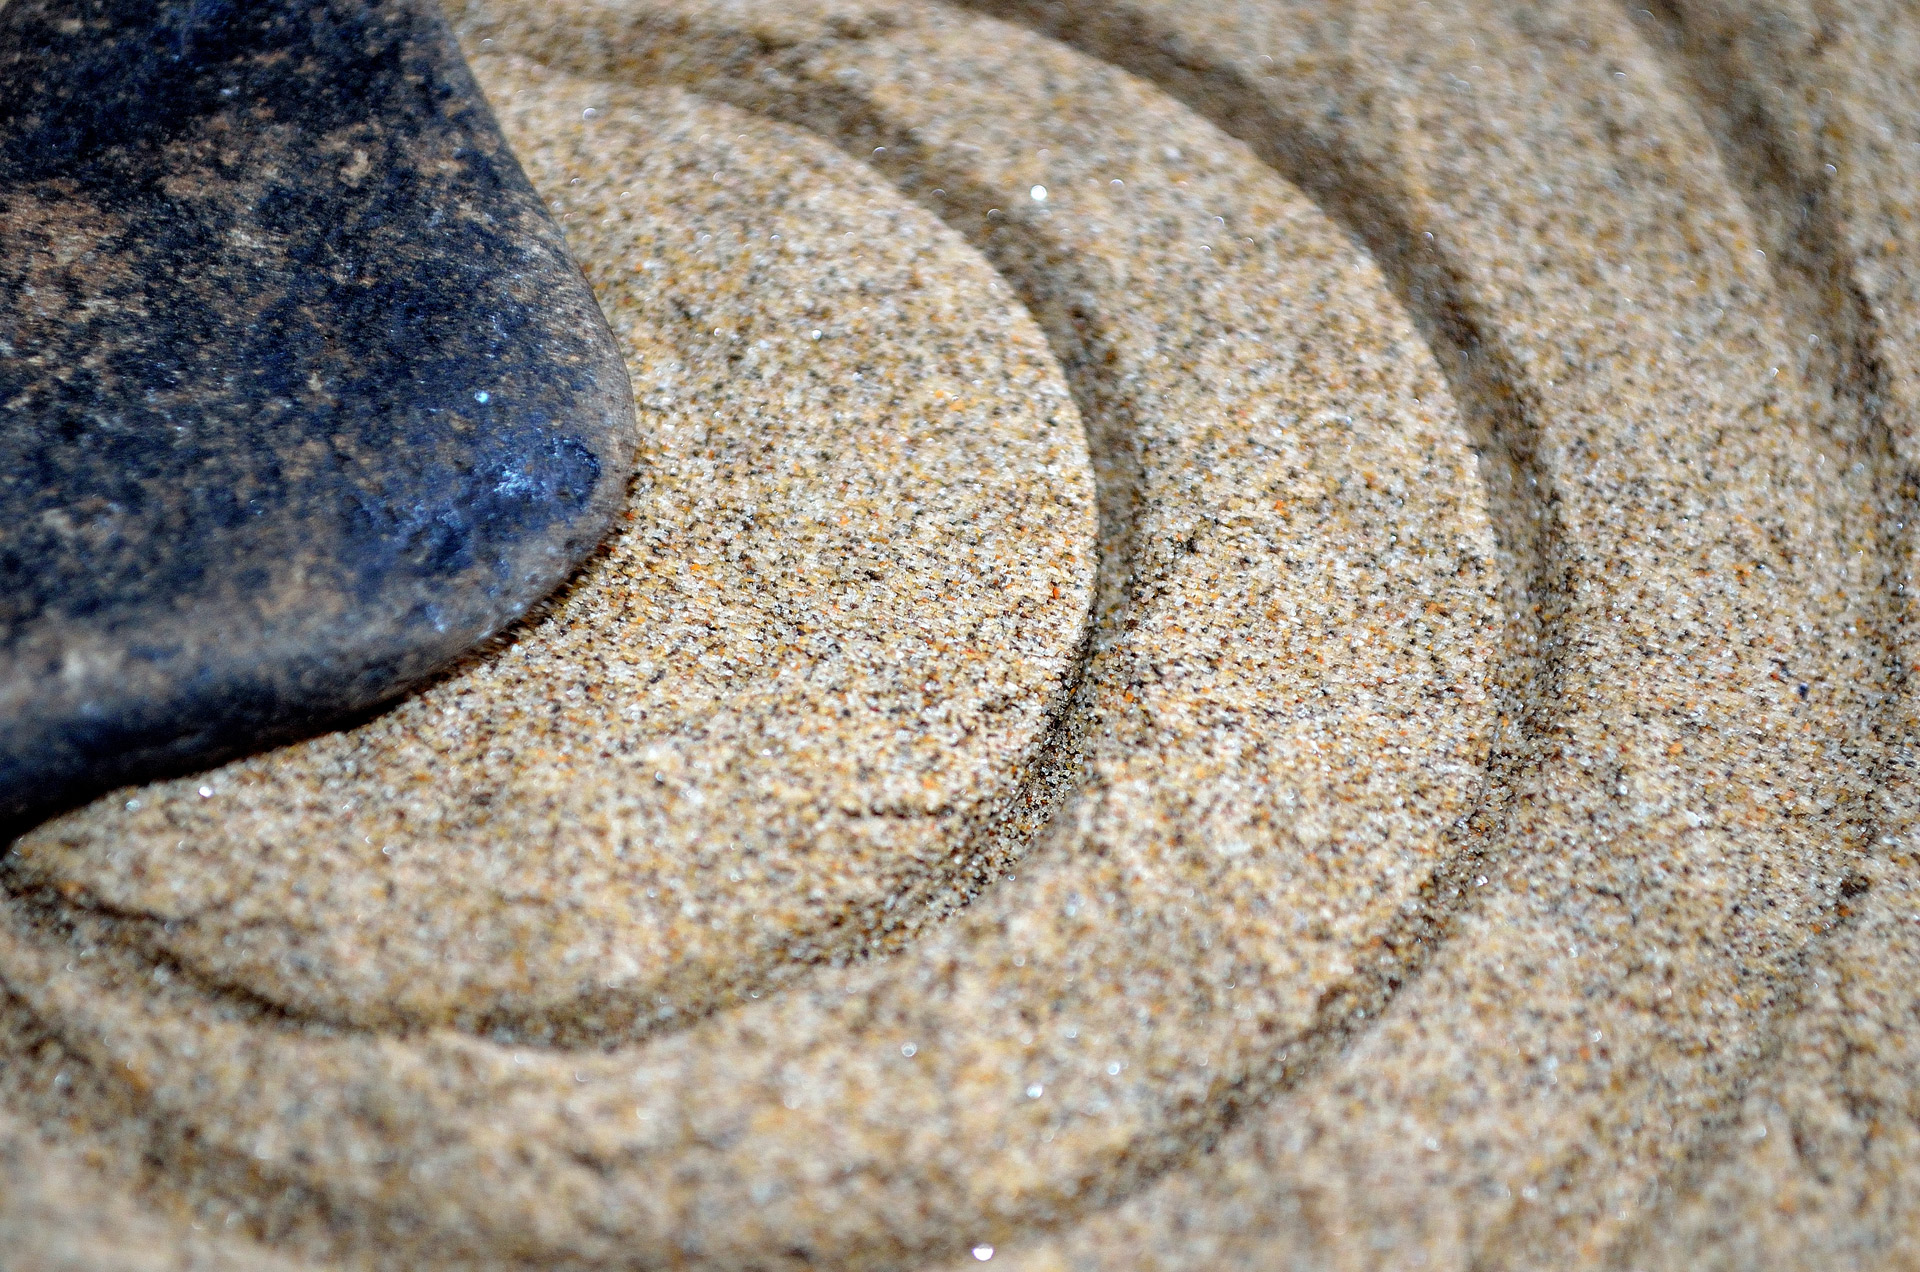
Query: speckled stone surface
(300,393)
(1426,780)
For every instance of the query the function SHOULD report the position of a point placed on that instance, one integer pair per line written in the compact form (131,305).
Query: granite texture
(1259,635)
(300,392)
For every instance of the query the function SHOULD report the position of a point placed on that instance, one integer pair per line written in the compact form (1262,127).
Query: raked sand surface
(1250,635)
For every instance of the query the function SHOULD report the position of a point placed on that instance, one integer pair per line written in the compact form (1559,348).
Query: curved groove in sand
(1495,403)
(1442,1223)
(1805,246)
(756,705)
(961,989)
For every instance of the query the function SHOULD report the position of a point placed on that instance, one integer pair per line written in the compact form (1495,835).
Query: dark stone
(300,393)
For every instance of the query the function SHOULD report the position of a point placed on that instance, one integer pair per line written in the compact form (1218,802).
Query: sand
(1249,636)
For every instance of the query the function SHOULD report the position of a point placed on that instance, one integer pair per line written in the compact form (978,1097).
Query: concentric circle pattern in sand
(1251,636)
(695,772)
